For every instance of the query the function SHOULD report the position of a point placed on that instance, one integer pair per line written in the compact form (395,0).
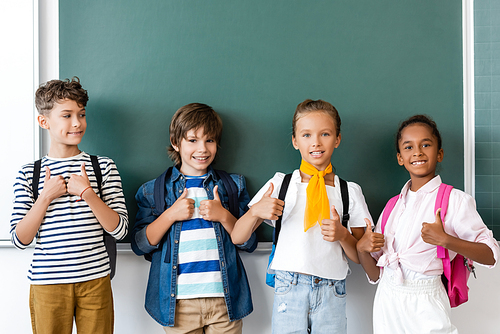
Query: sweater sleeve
(112,195)
(23,201)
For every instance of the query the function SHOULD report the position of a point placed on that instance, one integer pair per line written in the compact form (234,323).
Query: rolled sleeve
(16,242)
(112,194)
(250,244)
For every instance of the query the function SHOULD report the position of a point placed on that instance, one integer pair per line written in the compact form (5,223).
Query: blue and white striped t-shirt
(199,269)
(69,244)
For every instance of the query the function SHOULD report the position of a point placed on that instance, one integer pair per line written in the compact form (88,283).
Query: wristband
(84,190)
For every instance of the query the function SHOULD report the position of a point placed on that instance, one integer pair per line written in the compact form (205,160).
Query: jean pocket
(339,288)
(282,282)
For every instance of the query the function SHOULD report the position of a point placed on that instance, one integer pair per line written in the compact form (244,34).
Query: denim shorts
(308,304)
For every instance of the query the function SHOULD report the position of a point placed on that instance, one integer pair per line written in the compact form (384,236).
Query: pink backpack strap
(387,211)
(442,199)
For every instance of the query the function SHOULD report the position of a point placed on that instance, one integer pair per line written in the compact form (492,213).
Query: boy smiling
(197,282)
(68,215)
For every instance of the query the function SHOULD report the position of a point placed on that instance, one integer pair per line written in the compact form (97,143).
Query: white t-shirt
(307,252)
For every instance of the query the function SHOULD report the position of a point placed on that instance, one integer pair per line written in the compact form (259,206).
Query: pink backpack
(456,272)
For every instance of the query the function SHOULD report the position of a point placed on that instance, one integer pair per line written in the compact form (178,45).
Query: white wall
(17,66)
(479,315)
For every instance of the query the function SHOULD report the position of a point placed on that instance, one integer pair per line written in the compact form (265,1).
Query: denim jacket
(162,282)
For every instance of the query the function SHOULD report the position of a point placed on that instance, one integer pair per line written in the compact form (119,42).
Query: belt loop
(295,278)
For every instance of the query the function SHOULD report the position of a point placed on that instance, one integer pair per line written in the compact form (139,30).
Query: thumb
(334,211)
(216,194)
(368,226)
(184,194)
(269,191)
(84,172)
(47,173)
(438,216)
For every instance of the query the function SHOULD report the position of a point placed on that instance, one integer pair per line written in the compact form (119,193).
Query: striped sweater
(69,244)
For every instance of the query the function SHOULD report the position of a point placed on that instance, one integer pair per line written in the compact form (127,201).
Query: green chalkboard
(253,61)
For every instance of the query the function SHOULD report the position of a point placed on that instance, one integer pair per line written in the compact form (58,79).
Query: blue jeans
(308,304)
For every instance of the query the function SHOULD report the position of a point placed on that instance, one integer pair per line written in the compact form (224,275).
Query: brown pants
(53,307)
(203,315)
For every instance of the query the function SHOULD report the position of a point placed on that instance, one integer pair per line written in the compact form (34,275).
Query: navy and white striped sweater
(69,244)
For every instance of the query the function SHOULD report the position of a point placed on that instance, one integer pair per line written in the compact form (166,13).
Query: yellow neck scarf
(317,205)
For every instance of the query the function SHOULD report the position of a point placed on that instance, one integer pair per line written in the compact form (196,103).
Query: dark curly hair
(55,91)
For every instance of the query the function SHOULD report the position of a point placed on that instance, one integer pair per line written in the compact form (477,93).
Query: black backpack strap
(97,173)
(36,178)
(232,192)
(159,192)
(159,208)
(281,196)
(345,202)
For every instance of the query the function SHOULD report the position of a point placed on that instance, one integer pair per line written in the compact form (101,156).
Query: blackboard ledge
(125,247)
(261,247)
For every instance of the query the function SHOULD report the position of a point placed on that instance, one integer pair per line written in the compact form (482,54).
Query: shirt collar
(176,174)
(427,188)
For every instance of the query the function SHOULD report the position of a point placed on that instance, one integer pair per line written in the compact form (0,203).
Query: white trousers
(415,307)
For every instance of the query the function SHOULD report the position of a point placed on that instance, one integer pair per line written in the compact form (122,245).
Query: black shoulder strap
(281,196)
(159,191)
(232,192)
(36,177)
(345,202)
(97,172)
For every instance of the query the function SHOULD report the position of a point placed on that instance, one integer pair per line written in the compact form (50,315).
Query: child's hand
(433,233)
(78,183)
(370,241)
(332,229)
(53,187)
(182,209)
(268,207)
(212,210)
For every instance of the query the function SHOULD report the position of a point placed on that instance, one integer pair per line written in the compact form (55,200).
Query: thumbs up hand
(433,233)
(213,210)
(182,209)
(53,187)
(268,207)
(332,229)
(370,241)
(78,183)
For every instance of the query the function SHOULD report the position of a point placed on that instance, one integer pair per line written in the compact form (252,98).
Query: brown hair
(422,119)
(55,91)
(193,116)
(313,106)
